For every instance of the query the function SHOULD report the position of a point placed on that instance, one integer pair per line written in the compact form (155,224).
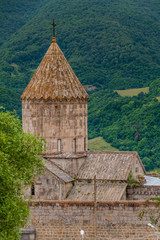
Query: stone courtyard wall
(143,192)
(57,220)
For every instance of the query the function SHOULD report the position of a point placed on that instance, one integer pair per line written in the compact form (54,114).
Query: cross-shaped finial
(53,24)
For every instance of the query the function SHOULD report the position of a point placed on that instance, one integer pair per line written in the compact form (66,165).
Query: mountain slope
(128,123)
(108,43)
(14,14)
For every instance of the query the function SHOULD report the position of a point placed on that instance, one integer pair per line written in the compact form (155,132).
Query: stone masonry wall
(48,187)
(65,121)
(143,192)
(57,220)
(28,234)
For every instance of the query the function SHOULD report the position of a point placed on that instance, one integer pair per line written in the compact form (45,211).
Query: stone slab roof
(107,165)
(152,181)
(54,79)
(58,172)
(83,191)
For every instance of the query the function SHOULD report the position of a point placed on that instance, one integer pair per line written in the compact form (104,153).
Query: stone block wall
(48,187)
(57,220)
(64,120)
(143,192)
(28,234)
(137,168)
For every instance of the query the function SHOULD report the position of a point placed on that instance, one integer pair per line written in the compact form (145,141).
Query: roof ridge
(115,152)
(50,161)
(60,177)
(54,174)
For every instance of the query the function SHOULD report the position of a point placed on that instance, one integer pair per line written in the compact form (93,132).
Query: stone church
(54,107)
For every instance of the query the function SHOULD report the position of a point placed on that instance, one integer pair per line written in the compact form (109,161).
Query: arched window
(74,145)
(59,145)
(85,144)
(32,189)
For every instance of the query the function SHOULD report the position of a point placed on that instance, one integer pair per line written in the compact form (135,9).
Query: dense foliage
(18,167)
(128,123)
(109,44)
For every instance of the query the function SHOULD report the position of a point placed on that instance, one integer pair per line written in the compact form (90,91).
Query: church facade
(54,107)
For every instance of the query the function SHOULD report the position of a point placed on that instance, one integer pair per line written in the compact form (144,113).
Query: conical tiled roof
(54,78)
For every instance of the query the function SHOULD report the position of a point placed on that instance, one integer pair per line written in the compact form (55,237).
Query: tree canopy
(128,123)
(19,166)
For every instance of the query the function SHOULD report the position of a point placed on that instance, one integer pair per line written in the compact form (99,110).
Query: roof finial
(53,24)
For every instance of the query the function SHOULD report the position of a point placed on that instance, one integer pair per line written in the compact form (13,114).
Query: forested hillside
(128,123)
(110,45)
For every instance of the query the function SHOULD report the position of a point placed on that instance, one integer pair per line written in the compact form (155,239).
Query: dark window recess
(85,144)
(33,190)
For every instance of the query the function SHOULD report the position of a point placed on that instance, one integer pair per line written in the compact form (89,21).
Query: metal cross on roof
(53,24)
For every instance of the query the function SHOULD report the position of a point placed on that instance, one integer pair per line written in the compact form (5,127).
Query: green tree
(155,88)
(153,215)
(19,166)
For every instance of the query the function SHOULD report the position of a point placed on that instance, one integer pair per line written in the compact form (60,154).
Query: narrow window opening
(59,145)
(84,144)
(32,189)
(47,181)
(74,145)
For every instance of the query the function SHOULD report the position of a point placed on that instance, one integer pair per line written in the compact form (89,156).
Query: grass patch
(132,92)
(158,98)
(99,144)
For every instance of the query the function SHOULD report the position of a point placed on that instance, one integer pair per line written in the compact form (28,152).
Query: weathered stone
(28,234)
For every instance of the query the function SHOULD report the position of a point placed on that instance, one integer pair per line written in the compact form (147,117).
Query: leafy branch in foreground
(19,166)
(154,216)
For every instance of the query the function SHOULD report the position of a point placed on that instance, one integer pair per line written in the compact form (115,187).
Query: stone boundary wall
(143,192)
(57,220)
(28,234)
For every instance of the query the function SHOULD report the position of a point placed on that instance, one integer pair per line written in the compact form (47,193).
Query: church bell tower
(54,104)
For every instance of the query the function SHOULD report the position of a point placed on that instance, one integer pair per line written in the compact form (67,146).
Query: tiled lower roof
(83,191)
(58,172)
(107,165)
(152,181)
